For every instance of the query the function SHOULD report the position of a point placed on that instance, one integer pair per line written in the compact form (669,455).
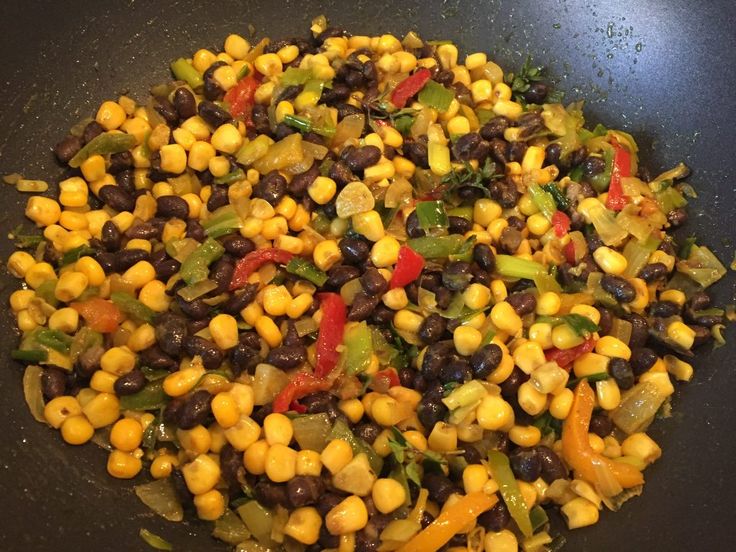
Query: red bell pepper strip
(300,386)
(100,315)
(561,223)
(255,260)
(409,87)
(331,329)
(241,98)
(408,267)
(565,357)
(621,168)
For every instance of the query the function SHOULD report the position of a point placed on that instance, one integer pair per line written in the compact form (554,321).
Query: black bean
(702,335)
(465,146)
(621,371)
(92,131)
(510,239)
(536,93)
(166,109)
(195,230)
(413,228)
(195,410)
(144,231)
(218,198)
(172,410)
(642,359)
(483,255)
(368,431)
(361,158)
(526,464)
(213,114)
(243,358)
(456,276)
(601,424)
(261,122)
(171,332)
(271,494)
(222,273)
(664,309)
(363,305)
(196,326)
(345,109)
(552,466)
(373,282)
(523,303)
(517,151)
(120,162)
(130,383)
(510,386)
(381,315)
(172,206)
(578,156)
(677,217)
(432,328)
(417,153)
(705,320)
(53,382)
(354,250)
(552,153)
(485,360)
(212,89)
(494,128)
(111,236)
(126,180)
(459,225)
(287,356)
(231,464)
(212,356)
(593,165)
(639,330)
(457,369)
(699,301)
(496,519)
(304,490)
(184,102)
(340,173)
(238,245)
(339,275)
(155,358)
(619,287)
(301,182)
(653,272)
(67,148)
(239,300)
(440,487)
(117,198)
(271,187)
(436,355)
(126,258)
(430,411)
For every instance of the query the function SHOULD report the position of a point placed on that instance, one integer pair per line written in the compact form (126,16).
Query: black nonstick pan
(663,70)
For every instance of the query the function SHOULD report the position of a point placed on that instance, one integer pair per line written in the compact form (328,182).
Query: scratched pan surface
(661,70)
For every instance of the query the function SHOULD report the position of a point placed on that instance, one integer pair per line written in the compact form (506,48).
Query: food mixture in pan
(361,293)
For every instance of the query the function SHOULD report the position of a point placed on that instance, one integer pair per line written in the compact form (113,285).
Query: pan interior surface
(660,70)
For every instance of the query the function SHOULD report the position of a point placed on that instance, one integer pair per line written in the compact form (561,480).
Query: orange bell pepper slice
(100,315)
(576,448)
(450,522)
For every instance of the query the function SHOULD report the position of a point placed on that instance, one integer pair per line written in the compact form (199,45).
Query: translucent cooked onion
(350,128)
(160,496)
(32,392)
(638,407)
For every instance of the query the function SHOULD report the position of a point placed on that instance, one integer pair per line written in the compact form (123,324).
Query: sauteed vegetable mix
(359,293)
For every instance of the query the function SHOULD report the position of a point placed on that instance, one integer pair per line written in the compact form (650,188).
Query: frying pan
(663,70)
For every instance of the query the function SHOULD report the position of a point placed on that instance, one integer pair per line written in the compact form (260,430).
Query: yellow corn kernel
(580,512)
(224,331)
(123,465)
(641,300)
(202,59)
(154,296)
(103,382)
(308,462)
(349,516)
(110,115)
(439,159)
(254,458)
(475,477)
(102,410)
(93,168)
(181,382)
(336,455)
(407,320)
(163,465)
(529,356)
(19,263)
(326,254)
(564,337)
(388,495)
(659,256)
(681,334)
(611,261)
(494,413)
(608,394)
(244,433)
(588,311)
(508,108)
(226,139)
(299,305)
(269,331)
(504,317)
(126,434)
(44,211)
(118,361)
(385,252)
(612,347)
(236,46)
(352,408)
(201,154)
(443,437)
(70,286)
(304,523)
(210,505)
(21,299)
(274,227)
(57,410)
(531,401)
(76,430)
(280,463)
(498,291)
(640,445)
(466,340)
(674,296)
(201,475)
(137,127)
(268,64)
(395,299)
(525,436)
(590,363)
(39,273)
(71,220)
(139,274)
(142,338)
(561,404)
(184,138)
(385,411)
(541,333)
(369,224)
(503,541)
(277,429)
